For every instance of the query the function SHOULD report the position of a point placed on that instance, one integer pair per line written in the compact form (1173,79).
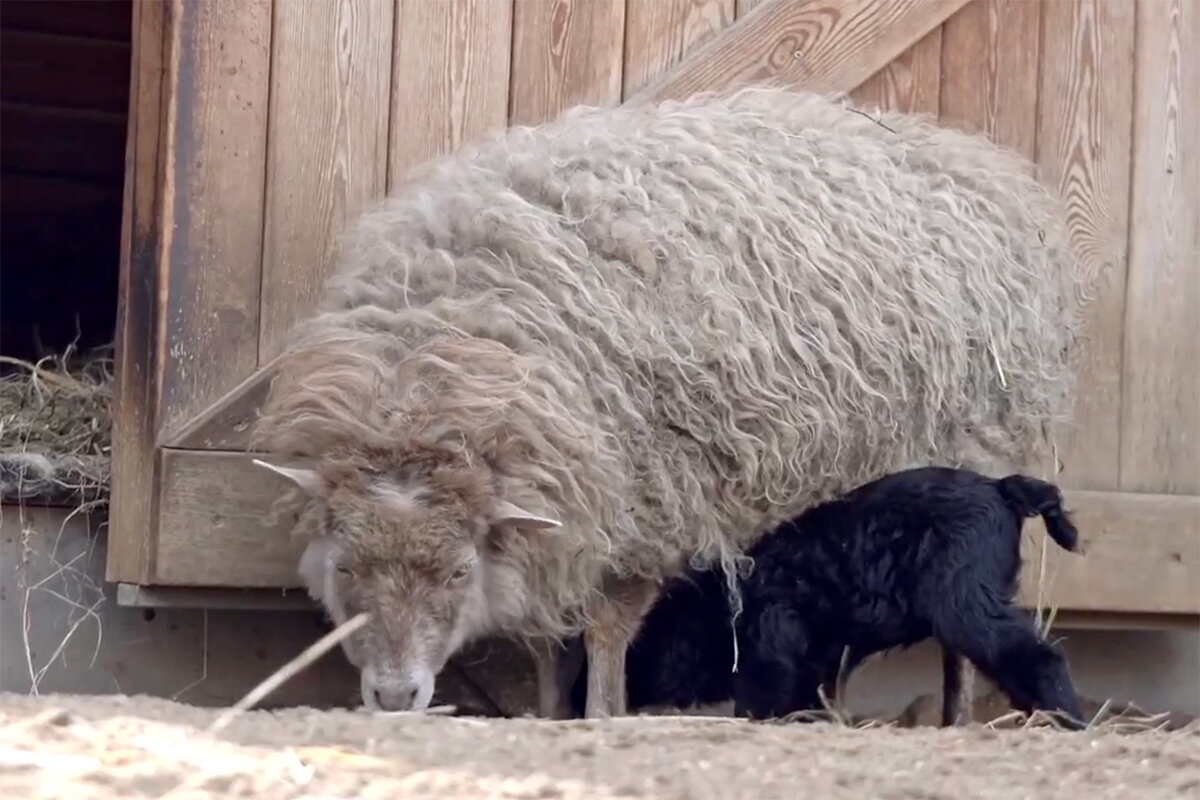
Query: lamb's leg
(553,664)
(1010,653)
(958,688)
(616,619)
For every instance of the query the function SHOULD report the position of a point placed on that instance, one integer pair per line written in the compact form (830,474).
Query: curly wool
(676,326)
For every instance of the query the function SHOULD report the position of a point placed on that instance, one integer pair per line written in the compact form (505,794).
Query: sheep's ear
(506,513)
(306,479)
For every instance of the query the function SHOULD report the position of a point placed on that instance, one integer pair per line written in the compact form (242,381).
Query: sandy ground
(70,748)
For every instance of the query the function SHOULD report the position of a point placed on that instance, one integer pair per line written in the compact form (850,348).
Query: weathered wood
(990,71)
(65,71)
(450,78)
(225,425)
(1143,551)
(1160,413)
(328,139)
(216,526)
(1141,554)
(911,83)
(1122,621)
(134,493)
(1084,129)
(821,45)
(135,596)
(659,33)
(214,184)
(744,7)
(565,53)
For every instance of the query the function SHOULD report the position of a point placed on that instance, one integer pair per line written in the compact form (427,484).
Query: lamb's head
(414,547)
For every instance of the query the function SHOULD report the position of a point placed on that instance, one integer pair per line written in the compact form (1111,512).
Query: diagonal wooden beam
(820,45)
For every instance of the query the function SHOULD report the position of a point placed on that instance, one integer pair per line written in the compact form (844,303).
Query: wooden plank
(62,142)
(450,78)
(909,84)
(1160,410)
(659,33)
(216,527)
(327,144)
(1083,144)
(821,45)
(64,71)
(134,596)
(743,7)
(1122,621)
(94,19)
(215,173)
(1143,551)
(133,505)
(990,71)
(225,425)
(1141,554)
(565,53)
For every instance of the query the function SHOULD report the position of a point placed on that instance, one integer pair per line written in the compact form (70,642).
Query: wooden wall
(64,87)
(279,121)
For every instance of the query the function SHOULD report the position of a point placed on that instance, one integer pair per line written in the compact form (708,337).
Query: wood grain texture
(215,177)
(328,139)
(990,71)
(225,425)
(1142,550)
(911,83)
(1084,129)
(743,7)
(1141,555)
(659,33)
(1160,410)
(565,53)
(132,512)
(450,78)
(821,45)
(215,526)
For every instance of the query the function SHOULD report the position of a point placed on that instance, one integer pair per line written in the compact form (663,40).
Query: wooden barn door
(259,128)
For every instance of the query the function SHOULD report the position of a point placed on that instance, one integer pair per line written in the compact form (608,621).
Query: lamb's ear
(506,513)
(307,479)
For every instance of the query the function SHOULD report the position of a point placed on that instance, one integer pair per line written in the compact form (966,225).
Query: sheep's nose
(398,698)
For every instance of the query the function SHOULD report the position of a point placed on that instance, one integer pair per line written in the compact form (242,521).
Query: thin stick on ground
(291,669)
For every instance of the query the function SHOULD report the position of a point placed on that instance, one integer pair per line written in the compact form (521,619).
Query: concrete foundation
(61,630)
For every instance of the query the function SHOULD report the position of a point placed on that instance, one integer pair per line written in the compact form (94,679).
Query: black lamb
(926,552)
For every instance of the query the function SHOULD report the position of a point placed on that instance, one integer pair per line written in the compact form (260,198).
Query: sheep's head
(415,548)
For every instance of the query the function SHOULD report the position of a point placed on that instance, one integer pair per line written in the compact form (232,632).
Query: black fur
(927,552)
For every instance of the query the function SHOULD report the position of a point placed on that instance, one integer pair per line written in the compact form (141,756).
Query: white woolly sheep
(567,363)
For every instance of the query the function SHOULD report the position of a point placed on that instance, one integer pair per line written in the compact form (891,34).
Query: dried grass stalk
(56,428)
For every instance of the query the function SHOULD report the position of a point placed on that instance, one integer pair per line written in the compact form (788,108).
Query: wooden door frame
(162,535)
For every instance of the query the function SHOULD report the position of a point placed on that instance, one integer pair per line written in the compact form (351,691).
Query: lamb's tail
(1031,497)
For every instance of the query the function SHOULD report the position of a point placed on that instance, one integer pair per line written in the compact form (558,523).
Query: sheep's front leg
(616,619)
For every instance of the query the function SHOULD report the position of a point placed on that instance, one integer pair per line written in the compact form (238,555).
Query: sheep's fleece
(671,327)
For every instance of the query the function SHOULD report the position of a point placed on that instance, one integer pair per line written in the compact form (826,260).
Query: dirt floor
(71,748)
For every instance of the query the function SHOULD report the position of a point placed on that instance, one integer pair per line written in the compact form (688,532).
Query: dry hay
(56,428)
(85,748)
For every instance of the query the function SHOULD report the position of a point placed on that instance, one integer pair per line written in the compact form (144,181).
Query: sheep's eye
(463,570)
(344,570)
